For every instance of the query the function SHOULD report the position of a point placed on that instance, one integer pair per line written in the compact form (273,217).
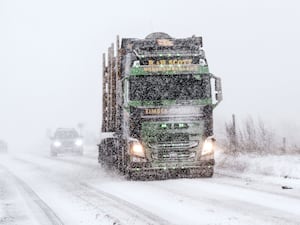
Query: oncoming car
(66,140)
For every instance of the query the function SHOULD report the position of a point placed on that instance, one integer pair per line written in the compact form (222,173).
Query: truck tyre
(121,157)
(101,152)
(209,172)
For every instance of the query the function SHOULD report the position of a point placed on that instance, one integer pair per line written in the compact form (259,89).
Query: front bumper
(202,168)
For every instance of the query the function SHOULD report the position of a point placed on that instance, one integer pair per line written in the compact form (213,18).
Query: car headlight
(57,143)
(208,146)
(78,142)
(137,149)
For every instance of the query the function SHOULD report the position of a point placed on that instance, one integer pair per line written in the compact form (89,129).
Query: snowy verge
(287,166)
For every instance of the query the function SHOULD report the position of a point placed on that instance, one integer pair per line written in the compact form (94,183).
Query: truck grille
(174,151)
(172,137)
(171,146)
(174,156)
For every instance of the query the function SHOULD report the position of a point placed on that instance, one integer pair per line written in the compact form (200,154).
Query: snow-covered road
(71,190)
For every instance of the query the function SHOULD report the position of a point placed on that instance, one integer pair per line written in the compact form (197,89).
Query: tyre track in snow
(89,156)
(33,197)
(124,205)
(104,201)
(71,161)
(218,174)
(276,188)
(242,207)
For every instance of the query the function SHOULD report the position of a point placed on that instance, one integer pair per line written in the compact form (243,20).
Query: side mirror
(218,89)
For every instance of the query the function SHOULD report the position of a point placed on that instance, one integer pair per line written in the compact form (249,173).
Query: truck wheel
(120,161)
(101,153)
(209,172)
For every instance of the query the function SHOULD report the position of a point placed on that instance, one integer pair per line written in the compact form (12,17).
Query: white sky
(50,58)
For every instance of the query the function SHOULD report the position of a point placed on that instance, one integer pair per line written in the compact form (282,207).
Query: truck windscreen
(168,87)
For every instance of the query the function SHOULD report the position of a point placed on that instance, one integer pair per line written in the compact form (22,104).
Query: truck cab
(158,99)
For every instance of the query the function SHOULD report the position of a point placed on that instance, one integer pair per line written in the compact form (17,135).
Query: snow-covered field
(287,166)
(71,190)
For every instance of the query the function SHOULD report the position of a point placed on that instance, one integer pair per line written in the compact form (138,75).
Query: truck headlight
(137,149)
(78,142)
(57,143)
(208,146)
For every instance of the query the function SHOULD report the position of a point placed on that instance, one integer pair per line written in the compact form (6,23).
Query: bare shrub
(250,137)
(231,140)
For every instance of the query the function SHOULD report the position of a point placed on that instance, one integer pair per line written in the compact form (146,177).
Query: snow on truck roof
(158,35)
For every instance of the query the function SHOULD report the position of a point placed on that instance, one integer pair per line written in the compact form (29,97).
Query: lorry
(158,98)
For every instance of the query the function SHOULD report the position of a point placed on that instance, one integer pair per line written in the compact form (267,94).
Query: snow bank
(271,165)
